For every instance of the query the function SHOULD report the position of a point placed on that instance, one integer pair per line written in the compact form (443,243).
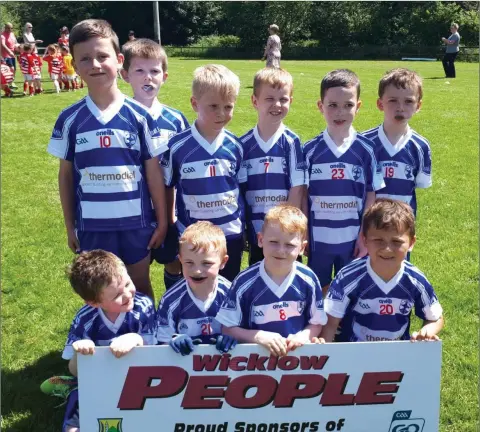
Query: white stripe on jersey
(405,198)
(102,210)
(268,313)
(337,171)
(110,179)
(206,168)
(365,334)
(106,138)
(263,200)
(266,165)
(335,235)
(212,206)
(396,170)
(335,207)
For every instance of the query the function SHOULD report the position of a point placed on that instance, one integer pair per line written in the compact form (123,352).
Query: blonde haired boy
(272,154)
(186,313)
(203,163)
(277,302)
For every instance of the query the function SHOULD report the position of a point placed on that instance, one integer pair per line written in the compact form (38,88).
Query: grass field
(38,304)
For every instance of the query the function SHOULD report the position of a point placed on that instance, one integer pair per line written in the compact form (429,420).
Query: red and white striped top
(55,63)
(7,74)
(27,64)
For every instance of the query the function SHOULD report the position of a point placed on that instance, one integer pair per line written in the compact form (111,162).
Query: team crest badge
(130,139)
(284,166)
(233,167)
(405,307)
(408,171)
(357,172)
(301,306)
(110,425)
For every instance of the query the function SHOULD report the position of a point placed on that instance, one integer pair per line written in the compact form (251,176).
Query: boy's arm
(429,331)
(329,329)
(170,198)
(124,344)
(72,365)
(296,196)
(274,342)
(67,199)
(360,249)
(156,187)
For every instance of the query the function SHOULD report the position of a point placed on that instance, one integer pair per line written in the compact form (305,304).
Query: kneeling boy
(277,302)
(372,297)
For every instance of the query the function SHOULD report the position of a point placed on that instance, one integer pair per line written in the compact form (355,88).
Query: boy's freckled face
(97,62)
(213,110)
(339,107)
(387,249)
(119,295)
(201,267)
(399,104)
(280,248)
(272,103)
(146,76)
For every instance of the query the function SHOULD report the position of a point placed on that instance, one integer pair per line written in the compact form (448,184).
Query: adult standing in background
(64,36)
(273,48)
(28,36)
(9,43)
(131,35)
(451,51)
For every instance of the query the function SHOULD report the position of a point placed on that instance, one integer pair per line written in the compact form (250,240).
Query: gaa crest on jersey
(164,162)
(405,307)
(408,172)
(183,327)
(301,306)
(357,172)
(130,139)
(284,166)
(231,170)
(110,425)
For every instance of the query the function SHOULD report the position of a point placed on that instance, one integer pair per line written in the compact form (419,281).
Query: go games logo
(402,422)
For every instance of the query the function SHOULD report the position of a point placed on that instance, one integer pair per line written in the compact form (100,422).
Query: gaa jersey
(27,65)
(207,178)
(339,178)
(374,310)
(169,120)
(108,150)
(272,169)
(7,74)
(180,312)
(256,302)
(91,323)
(55,63)
(405,166)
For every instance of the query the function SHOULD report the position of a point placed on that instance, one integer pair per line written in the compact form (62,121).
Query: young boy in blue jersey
(403,154)
(372,297)
(109,172)
(276,303)
(115,315)
(203,163)
(186,314)
(145,68)
(342,176)
(272,154)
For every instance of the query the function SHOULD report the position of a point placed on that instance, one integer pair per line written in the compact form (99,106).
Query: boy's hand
(84,346)
(72,241)
(183,344)
(157,239)
(423,335)
(317,340)
(274,342)
(225,343)
(124,344)
(360,249)
(295,340)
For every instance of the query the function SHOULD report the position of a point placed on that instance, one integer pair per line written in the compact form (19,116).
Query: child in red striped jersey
(55,65)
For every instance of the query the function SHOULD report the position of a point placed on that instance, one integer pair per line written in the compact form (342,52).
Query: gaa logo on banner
(402,422)
(110,425)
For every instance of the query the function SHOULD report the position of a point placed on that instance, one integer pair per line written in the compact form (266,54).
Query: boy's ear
(194,103)
(254,101)
(304,245)
(92,304)
(224,262)
(380,104)
(359,104)
(124,74)
(419,105)
(120,59)
(260,239)
(320,105)
(412,243)
(165,76)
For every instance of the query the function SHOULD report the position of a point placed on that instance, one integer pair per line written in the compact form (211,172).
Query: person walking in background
(29,38)
(9,43)
(451,51)
(64,36)
(273,48)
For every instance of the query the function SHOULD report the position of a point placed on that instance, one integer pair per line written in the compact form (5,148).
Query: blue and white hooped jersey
(405,166)
(169,121)
(108,150)
(338,181)
(272,168)
(180,312)
(256,302)
(374,310)
(206,177)
(91,323)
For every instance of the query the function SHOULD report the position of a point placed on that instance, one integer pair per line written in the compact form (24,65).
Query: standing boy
(272,154)
(203,163)
(372,298)
(403,154)
(145,68)
(187,312)
(109,172)
(343,176)
(277,302)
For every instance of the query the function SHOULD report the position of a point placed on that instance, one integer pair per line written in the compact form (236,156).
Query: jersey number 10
(105,141)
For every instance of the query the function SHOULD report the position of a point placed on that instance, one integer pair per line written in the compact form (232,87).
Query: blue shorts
(130,245)
(234,252)
(323,264)
(168,251)
(10,61)
(71,417)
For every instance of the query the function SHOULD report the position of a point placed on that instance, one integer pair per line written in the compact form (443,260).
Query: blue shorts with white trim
(168,251)
(323,264)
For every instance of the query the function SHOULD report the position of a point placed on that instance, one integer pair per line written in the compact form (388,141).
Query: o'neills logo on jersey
(229,200)
(390,164)
(105,132)
(269,199)
(126,175)
(337,206)
(338,165)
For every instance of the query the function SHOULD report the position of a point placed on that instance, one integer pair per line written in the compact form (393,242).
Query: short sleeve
(184,124)
(423,179)
(337,301)
(147,323)
(427,306)
(165,326)
(166,161)
(154,143)
(231,313)
(62,143)
(317,312)
(307,154)
(77,332)
(296,163)
(374,178)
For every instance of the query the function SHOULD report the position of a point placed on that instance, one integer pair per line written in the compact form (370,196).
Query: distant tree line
(302,23)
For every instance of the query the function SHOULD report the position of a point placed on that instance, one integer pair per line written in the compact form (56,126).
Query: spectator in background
(64,36)
(131,35)
(9,44)
(451,51)
(273,48)
(28,36)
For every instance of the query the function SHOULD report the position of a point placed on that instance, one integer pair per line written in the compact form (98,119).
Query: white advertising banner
(350,387)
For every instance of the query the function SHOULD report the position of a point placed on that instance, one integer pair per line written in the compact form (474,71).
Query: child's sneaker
(59,386)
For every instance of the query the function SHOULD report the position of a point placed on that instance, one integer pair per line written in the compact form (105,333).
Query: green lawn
(38,304)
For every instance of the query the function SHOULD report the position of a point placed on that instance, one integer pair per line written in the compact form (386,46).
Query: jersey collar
(209,148)
(156,109)
(113,327)
(393,149)
(278,290)
(105,116)
(267,145)
(203,306)
(386,287)
(347,142)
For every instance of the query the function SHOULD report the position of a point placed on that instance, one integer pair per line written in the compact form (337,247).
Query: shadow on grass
(24,407)
(436,78)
